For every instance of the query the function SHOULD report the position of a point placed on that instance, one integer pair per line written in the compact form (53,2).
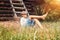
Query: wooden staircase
(11,8)
(30,6)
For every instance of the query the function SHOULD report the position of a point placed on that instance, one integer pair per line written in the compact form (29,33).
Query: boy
(29,20)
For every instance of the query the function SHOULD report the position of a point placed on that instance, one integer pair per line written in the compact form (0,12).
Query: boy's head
(24,14)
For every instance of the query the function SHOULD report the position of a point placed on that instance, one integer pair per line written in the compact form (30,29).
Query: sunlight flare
(57,2)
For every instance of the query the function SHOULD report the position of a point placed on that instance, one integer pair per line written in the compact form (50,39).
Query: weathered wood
(6,8)
(17,3)
(6,11)
(6,18)
(11,8)
(29,5)
(19,8)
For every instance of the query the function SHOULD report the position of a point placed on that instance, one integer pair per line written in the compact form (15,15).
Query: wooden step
(18,5)
(29,5)
(16,1)
(29,0)
(6,15)
(21,8)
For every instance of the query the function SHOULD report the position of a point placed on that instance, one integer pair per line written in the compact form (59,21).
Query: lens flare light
(56,2)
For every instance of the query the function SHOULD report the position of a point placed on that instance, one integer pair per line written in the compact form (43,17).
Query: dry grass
(51,31)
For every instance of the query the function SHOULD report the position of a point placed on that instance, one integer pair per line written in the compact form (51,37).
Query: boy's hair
(24,13)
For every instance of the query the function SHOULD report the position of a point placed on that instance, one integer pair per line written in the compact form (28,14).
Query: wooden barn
(11,8)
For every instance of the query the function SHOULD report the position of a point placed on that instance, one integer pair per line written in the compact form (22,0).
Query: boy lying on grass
(29,20)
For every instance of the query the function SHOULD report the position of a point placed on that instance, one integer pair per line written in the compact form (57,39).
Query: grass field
(51,31)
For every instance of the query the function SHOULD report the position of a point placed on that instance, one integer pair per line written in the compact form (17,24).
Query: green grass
(51,31)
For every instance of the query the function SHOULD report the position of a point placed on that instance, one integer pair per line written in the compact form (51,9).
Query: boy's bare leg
(38,23)
(38,17)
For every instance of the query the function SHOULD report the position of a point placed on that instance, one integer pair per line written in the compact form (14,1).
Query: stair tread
(17,3)
(30,0)
(16,0)
(19,8)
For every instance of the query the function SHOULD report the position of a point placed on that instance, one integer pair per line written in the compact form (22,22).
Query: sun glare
(57,2)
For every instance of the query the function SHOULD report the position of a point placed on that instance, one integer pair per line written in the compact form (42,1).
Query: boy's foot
(44,16)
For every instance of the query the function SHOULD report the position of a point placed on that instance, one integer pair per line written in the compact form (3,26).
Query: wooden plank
(4,0)
(6,11)
(6,18)
(29,0)
(6,15)
(16,0)
(5,4)
(17,3)
(19,8)
(5,8)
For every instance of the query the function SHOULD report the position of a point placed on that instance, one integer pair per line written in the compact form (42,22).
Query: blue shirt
(26,22)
